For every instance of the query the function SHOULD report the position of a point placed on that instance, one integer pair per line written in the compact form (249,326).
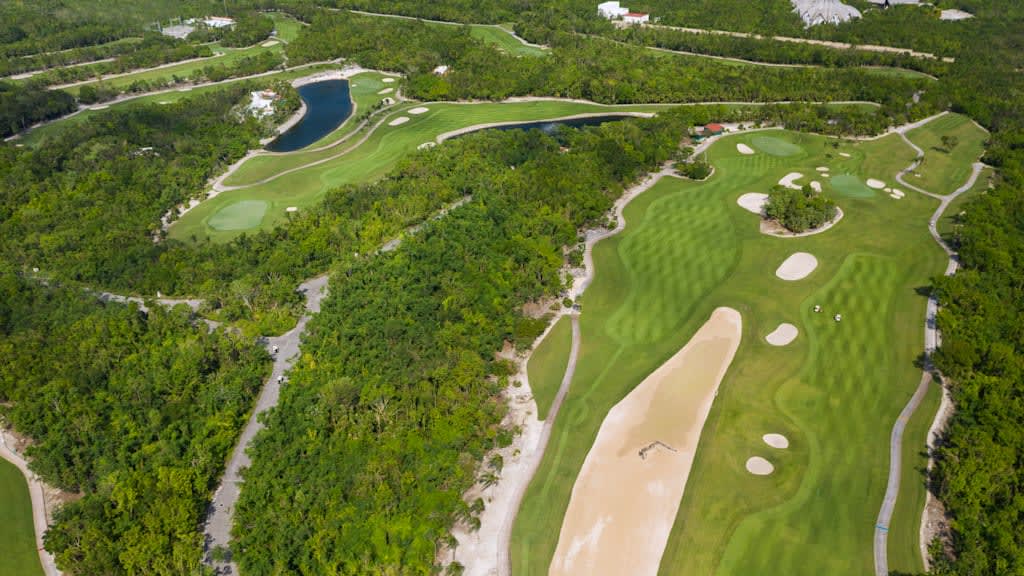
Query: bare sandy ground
(759,466)
(744,149)
(399,121)
(776,441)
(419,110)
(875,183)
(753,202)
(628,492)
(789,179)
(782,335)
(797,267)
(386,91)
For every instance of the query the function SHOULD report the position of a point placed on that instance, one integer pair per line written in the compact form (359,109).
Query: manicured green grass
(287,27)
(775,146)
(547,365)
(371,160)
(37,136)
(239,216)
(851,186)
(19,555)
(905,528)
(835,392)
(942,172)
(505,40)
(950,218)
(897,72)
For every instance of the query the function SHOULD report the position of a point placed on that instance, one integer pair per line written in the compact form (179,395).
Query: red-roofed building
(636,18)
(713,129)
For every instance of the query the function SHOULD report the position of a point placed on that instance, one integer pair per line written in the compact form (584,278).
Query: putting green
(776,146)
(835,392)
(851,186)
(241,215)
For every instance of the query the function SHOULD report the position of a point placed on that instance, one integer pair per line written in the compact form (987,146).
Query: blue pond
(327,105)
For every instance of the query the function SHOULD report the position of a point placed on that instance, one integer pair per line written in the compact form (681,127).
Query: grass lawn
(287,27)
(505,40)
(37,136)
(835,392)
(369,161)
(547,365)
(942,172)
(16,531)
(947,224)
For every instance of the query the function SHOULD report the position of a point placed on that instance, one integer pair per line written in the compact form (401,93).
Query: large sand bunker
(789,179)
(628,492)
(797,267)
(744,149)
(876,183)
(759,466)
(388,80)
(419,110)
(399,121)
(386,91)
(753,202)
(782,335)
(776,441)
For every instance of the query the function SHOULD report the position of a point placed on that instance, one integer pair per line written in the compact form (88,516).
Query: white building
(611,10)
(262,103)
(218,22)
(636,18)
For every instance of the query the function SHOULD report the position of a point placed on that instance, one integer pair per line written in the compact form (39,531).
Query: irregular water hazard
(328,104)
(628,492)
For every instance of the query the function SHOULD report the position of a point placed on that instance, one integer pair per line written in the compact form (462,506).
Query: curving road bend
(221,511)
(932,340)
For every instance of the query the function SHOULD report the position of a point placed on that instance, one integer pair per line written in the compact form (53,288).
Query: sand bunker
(797,267)
(897,193)
(784,334)
(816,186)
(426,145)
(845,154)
(788,180)
(399,121)
(954,15)
(386,91)
(759,467)
(419,110)
(822,168)
(776,441)
(753,202)
(388,80)
(744,149)
(291,209)
(628,492)
(875,183)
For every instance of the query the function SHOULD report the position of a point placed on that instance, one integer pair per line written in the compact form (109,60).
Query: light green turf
(505,40)
(287,27)
(547,365)
(367,161)
(948,222)
(19,556)
(240,215)
(905,529)
(775,146)
(897,72)
(835,392)
(943,172)
(229,57)
(851,186)
(38,135)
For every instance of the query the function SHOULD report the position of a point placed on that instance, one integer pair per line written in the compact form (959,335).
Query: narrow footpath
(932,341)
(221,511)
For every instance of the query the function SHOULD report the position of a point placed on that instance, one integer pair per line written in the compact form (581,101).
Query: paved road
(932,340)
(505,535)
(222,509)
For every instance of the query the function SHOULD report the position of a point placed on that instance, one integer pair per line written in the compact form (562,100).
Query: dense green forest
(135,412)
(23,105)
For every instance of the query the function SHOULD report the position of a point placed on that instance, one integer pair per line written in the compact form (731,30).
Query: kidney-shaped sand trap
(784,334)
(744,149)
(759,466)
(386,91)
(776,441)
(388,80)
(399,121)
(753,202)
(419,110)
(876,183)
(788,180)
(797,266)
(628,491)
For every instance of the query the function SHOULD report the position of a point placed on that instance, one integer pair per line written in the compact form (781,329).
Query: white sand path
(753,202)
(782,335)
(797,267)
(759,466)
(628,491)
(744,149)
(776,441)
(789,179)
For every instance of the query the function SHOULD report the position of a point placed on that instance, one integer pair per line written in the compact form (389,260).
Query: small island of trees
(799,210)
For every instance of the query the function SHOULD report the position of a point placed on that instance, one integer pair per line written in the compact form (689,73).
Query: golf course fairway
(16,530)
(834,392)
